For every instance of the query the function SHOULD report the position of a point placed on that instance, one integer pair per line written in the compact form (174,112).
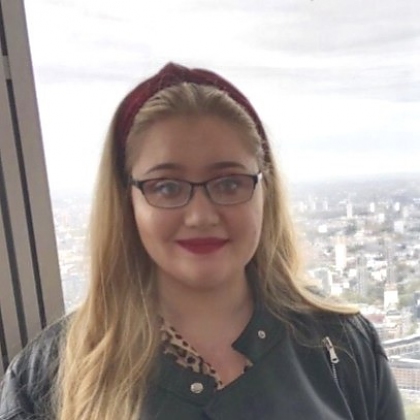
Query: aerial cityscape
(361,242)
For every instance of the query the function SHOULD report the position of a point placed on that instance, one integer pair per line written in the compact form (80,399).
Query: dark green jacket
(296,375)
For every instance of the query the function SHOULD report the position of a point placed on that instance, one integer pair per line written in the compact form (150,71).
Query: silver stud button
(262,334)
(197,387)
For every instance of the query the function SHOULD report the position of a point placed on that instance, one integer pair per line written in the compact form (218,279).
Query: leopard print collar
(175,346)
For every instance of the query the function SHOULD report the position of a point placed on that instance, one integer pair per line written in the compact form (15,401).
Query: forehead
(194,143)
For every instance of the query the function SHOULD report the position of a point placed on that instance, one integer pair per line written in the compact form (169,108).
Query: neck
(196,311)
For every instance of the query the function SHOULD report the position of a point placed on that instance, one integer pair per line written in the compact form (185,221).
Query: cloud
(331,78)
(352,47)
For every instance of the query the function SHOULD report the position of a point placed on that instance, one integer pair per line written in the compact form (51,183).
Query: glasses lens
(166,193)
(231,189)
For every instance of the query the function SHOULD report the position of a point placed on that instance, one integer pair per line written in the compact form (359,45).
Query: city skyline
(360,243)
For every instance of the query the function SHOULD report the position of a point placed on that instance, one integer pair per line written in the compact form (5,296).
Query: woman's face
(201,245)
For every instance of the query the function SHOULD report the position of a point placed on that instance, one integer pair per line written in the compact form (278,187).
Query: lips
(202,245)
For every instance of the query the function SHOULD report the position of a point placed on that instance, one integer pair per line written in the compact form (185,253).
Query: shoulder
(363,372)
(354,328)
(358,326)
(29,377)
(353,337)
(38,355)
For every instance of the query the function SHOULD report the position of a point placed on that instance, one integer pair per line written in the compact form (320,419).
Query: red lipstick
(202,245)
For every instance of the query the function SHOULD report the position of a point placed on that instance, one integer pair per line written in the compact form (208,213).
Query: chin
(205,285)
(204,274)
(208,279)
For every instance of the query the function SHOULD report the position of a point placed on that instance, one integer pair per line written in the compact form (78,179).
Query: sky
(336,82)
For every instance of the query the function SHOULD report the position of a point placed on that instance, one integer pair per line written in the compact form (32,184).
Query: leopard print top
(185,355)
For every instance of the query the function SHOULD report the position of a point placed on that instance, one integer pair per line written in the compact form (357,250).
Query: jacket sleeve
(15,403)
(389,402)
(390,405)
(26,389)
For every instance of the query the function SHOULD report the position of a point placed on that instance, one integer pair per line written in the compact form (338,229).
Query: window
(336,84)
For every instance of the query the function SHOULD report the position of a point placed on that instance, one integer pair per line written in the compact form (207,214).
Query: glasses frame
(139,184)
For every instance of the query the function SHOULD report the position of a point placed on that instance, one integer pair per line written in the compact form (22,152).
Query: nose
(200,211)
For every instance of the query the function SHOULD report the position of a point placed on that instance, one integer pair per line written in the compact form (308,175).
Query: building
(407,373)
(362,275)
(349,210)
(340,250)
(399,226)
(391,299)
(324,275)
(404,357)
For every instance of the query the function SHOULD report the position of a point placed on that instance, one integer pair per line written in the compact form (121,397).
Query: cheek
(258,210)
(248,223)
(257,217)
(257,227)
(154,226)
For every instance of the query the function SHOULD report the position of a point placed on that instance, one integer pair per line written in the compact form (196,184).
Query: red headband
(171,75)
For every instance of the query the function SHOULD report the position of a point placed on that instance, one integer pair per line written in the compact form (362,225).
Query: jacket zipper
(332,355)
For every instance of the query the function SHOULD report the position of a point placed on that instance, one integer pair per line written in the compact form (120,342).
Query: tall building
(399,226)
(349,210)
(340,249)
(380,217)
(362,275)
(325,277)
(389,253)
(391,298)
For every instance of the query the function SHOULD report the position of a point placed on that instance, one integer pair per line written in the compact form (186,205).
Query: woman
(196,307)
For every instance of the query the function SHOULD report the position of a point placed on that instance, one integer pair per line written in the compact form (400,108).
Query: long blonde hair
(109,349)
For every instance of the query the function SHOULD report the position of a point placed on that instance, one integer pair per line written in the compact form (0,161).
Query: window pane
(337,85)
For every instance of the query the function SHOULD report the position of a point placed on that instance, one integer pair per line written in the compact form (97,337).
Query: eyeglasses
(168,193)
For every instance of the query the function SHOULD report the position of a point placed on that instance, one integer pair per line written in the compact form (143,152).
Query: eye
(164,187)
(228,184)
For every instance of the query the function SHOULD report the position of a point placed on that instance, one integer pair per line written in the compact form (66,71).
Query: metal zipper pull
(331,350)
(333,357)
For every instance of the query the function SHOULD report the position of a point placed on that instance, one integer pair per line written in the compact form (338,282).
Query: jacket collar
(261,334)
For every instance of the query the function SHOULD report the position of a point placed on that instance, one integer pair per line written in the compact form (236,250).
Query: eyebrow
(163,166)
(227,165)
(213,166)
